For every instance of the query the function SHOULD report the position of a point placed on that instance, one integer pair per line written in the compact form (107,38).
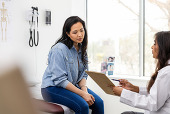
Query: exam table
(46,107)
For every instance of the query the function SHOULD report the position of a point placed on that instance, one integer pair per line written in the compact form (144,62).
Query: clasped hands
(87,97)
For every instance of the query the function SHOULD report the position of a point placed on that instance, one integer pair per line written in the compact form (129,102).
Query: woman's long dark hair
(163,40)
(68,42)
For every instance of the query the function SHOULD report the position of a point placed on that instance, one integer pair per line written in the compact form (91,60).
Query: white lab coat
(158,101)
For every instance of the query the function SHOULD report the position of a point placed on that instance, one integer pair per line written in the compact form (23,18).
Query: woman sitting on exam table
(155,99)
(64,81)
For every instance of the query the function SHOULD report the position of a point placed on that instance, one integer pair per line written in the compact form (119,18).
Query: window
(113,31)
(157,17)
(116,27)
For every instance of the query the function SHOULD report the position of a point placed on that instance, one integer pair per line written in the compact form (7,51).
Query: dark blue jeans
(72,100)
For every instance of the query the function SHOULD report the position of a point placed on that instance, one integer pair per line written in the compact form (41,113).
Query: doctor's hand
(117,90)
(88,98)
(127,85)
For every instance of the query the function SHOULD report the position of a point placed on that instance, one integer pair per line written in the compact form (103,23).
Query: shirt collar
(79,49)
(169,61)
(165,66)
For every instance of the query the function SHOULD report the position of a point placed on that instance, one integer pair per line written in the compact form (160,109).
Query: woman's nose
(79,34)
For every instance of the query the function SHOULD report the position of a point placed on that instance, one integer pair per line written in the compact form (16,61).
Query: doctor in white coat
(155,98)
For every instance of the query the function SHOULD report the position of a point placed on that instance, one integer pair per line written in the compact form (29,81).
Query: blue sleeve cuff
(63,84)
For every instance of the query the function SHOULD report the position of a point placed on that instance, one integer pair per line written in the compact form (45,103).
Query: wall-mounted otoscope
(34,33)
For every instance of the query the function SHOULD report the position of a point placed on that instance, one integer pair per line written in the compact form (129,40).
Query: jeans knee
(99,102)
(84,108)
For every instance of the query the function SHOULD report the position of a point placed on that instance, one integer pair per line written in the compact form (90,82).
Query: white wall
(34,59)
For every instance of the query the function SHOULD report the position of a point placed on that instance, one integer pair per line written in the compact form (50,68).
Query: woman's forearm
(82,82)
(74,89)
(82,85)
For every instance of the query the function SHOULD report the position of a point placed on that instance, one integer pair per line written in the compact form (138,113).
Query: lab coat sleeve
(57,67)
(159,93)
(143,91)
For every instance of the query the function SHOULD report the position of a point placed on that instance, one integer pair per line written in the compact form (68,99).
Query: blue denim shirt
(63,67)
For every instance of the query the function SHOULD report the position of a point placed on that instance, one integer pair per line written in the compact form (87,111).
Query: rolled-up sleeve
(57,68)
(84,75)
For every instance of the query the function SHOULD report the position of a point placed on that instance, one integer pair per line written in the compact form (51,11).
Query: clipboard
(102,81)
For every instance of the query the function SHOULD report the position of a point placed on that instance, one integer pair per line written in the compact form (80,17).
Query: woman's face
(77,33)
(155,49)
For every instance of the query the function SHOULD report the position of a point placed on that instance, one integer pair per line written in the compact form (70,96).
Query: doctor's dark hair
(163,40)
(68,42)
